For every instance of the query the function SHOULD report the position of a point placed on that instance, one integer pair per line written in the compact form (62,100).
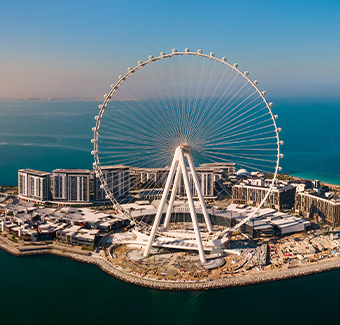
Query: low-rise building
(76,235)
(48,230)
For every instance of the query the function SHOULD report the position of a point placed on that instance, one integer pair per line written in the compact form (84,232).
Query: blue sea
(45,135)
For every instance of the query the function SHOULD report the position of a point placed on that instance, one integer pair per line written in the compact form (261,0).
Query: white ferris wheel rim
(97,165)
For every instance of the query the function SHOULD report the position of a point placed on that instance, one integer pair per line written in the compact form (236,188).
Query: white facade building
(117,178)
(71,185)
(33,184)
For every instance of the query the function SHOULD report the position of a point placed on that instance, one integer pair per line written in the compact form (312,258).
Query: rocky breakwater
(218,283)
(128,276)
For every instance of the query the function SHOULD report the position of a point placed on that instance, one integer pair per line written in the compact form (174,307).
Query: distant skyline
(76,49)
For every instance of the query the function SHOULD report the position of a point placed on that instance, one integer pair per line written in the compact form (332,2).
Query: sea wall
(206,284)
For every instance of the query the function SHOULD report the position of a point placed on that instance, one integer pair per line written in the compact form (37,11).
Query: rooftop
(34,172)
(72,171)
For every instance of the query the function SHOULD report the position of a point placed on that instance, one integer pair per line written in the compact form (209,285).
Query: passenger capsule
(199,51)
(112,86)
(256,82)
(281,155)
(100,106)
(129,69)
(94,129)
(276,117)
(162,53)
(263,93)
(246,73)
(224,59)
(212,54)
(174,50)
(120,76)
(96,117)
(140,62)
(270,104)
(281,142)
(150,57)
(187,50)
(280,168)
(235,65)
(101,186)
(279,129)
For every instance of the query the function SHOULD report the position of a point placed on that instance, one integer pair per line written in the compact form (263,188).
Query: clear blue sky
(78,48)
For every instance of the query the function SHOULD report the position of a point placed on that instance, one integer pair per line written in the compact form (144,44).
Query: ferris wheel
(177,111)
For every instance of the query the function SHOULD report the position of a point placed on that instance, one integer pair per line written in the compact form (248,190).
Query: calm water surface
(53,290)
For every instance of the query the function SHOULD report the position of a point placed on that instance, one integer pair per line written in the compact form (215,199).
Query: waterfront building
(117,178)
(252,191)
(317,207)
(72,185)
(154,176)
(33,184)
(206,178)
(208,174)
(222,171)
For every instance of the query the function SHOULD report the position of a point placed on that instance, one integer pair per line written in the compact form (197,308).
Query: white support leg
(172,198)
(161,206)
(199,193)
(192,208)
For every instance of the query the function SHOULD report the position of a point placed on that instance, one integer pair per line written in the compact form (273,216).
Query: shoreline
(168,285)
(326,183)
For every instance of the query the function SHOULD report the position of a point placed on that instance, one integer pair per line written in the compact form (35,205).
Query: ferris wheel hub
(185,147)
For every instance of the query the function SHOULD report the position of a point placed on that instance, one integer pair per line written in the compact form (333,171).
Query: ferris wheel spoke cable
(243,164)
(246,132)
(127,131)
(143,133)
(220,123)
(245,121)
(139,93)
(237,120)
(214,119)
(230,101)
(242,156)
(250,153)
(137,117)
(168,109)
(160,111)
(220,99)
(200,105)
(198,92)
(250,134)
(142,126)
(231,109)
(250,137)
(246,129)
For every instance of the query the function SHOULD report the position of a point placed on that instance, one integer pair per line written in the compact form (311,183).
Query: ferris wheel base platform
(178,243)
